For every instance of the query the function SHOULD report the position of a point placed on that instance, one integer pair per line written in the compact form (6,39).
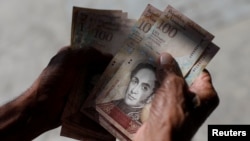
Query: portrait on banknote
(139,91)
(132,87)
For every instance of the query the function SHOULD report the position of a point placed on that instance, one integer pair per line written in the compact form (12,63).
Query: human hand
(57,79)
(40,107)
(177,111)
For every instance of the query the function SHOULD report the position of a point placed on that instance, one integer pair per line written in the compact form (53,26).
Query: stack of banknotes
(108,110)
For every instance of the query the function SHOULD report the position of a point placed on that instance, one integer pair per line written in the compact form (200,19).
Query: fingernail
(165,58)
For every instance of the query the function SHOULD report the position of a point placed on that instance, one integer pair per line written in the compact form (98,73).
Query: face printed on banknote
(139,91)
(141,85)
(122,100)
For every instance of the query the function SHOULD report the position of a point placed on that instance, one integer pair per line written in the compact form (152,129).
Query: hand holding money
(40,107)
(112,102)
(172,117)
(176,95)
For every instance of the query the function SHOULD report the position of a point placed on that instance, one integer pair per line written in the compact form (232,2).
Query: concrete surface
(31,32)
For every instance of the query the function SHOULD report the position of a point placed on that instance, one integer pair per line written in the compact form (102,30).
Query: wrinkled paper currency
(123,98)
(109,109)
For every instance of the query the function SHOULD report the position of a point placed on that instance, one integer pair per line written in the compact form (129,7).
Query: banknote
(132,87)
(194,72)
(89,29)
(102,30)
(72,133)
(195,33)
(108,109)
(202,62)
(136,35)
(113,106)
(79,125)
(178,35)
(78,129)
(111,103)
(85,21)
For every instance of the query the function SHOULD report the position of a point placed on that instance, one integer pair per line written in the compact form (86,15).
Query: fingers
(170,91)
(204,90)
(64,49)
(173,103)
(205,100)
(79,57)
(167,105)
(61,56)
(168,64)
(173,81)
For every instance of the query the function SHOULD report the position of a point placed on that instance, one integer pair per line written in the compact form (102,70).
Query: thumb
(167,107)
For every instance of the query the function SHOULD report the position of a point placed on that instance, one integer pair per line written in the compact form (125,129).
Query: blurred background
(31,32)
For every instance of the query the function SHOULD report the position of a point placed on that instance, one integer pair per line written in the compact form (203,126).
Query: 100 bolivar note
(131,88)
(135,59)
(100,29)
(87,24)
(137,33)
(119,112)
(186,46)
